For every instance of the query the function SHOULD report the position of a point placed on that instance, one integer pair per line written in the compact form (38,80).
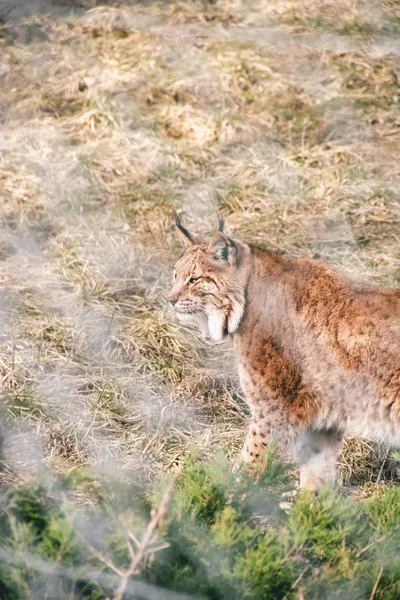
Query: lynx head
(207,286)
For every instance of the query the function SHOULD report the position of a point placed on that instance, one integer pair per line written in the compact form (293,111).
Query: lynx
(318,355)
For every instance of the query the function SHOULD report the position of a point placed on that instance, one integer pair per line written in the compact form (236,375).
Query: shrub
(224,535)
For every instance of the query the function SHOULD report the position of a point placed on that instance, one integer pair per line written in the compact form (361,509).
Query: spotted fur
(318,355)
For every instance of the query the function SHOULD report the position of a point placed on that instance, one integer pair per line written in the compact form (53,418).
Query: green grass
(221,535)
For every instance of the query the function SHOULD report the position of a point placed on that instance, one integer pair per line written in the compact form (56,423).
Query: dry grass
(111,115)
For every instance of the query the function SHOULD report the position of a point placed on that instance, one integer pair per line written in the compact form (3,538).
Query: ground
(283,115)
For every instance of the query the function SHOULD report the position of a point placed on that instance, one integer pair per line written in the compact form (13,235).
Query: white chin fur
(211,326)
(201,320)
(235,317)
(216,326)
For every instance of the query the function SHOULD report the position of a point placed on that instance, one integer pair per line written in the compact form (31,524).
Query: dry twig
(372,596)
(148,539)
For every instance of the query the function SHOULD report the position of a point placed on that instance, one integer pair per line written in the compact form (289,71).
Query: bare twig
(104,560)
(382,465)
(148,539)
(135,589)
(372,596)
(296,583)
(380,539)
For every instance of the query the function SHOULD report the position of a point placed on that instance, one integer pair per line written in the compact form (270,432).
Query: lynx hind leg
(317,458)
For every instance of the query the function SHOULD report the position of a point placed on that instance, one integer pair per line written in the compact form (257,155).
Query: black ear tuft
(189,237)
(221,222)
(177,218)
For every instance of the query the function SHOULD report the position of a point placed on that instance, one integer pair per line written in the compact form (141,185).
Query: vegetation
(219,535)
(284,116)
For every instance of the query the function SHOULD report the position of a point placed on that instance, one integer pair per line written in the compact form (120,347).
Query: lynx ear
(222,248)
(189,237)
(221,222)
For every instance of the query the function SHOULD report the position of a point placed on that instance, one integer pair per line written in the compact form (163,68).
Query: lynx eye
(174,276)
(193,280)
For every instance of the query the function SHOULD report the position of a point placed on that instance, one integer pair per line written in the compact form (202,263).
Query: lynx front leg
(264,431)
(256,442)
(317,458)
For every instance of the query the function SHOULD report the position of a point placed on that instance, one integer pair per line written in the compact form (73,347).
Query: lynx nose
(172,301)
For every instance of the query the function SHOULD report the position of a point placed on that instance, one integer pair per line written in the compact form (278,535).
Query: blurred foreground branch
(137,590)
(146,546)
